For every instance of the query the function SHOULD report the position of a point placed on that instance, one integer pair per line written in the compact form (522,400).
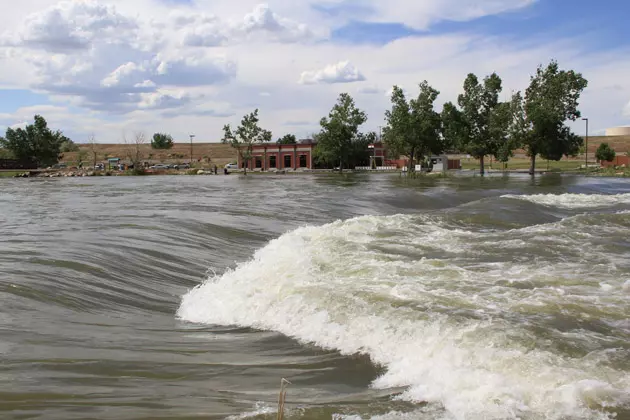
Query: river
(377,297)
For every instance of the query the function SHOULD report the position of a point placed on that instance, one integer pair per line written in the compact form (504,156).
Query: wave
(443,312)
(574,201)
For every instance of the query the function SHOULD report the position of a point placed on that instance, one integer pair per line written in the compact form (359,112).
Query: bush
(162,141)
(605,153)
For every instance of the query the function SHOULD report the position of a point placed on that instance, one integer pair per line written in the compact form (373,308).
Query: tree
(245,136)
(480,123)
(550,100)
(287,139)
(360,152)
(605,153)
(162,141)
(134,151)
(413,128)
(35,142)
(339,131)
(4,153)
(69,146)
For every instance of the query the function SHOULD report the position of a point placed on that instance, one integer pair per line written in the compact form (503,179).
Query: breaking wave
(574,201)
(453,318)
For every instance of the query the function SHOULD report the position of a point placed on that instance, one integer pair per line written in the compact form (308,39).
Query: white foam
(349,286)
(574,201)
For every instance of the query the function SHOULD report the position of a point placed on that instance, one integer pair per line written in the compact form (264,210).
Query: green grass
(520,164)
(9,174)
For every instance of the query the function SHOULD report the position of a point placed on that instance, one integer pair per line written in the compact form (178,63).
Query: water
(377,297)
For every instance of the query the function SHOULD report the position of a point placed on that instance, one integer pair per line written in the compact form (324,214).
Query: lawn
(516,163)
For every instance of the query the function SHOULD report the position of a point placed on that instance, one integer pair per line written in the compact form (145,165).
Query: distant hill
(219,154)
(620,144)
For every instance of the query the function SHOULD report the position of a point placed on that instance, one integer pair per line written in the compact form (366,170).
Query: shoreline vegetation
(469,167)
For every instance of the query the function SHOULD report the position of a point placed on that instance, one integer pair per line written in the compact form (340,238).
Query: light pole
(191,149)
(586,146)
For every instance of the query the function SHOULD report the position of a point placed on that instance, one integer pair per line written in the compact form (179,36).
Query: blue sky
(602,24)
(212,61)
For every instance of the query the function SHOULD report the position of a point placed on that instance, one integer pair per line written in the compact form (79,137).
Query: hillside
(212,153)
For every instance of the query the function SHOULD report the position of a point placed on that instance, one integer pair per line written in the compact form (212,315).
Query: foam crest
(574,201)
(453,330)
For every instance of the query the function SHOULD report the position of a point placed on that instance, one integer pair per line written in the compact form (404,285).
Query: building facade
(272,156)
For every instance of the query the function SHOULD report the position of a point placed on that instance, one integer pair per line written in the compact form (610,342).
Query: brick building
(280,156)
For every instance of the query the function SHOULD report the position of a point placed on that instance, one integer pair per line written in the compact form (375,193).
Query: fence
(378,168)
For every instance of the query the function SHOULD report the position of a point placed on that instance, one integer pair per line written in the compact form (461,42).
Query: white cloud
(262,20)
(72,25)
(342,72)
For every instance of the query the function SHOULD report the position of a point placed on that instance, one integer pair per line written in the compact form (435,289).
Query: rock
(200,172)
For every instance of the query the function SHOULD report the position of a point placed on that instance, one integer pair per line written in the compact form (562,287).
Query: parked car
(231,166)
(159,166)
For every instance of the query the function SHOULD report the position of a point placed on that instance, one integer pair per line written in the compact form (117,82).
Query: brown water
(377,297)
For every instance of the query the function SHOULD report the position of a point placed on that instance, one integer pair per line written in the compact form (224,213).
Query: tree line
(479,124)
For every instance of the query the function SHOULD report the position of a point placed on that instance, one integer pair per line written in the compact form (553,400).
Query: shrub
(605,153)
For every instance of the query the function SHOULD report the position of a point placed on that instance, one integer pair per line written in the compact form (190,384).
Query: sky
(114,68)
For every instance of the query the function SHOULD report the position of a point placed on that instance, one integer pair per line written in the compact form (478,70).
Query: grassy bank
(522,164)
(9,174)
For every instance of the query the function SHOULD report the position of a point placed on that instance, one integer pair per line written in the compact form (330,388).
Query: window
(287,161)
(302,161)
(272,161)
(258,163)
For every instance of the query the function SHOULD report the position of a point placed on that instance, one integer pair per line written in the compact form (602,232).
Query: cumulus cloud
(71,25)
(263,21)
(342,72)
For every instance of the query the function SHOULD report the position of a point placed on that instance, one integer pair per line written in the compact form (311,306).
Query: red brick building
(617,161)
(280,156)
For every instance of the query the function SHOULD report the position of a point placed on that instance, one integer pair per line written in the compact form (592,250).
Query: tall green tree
(245,136)
(339,132)
(36,141)
(162,141)
(413,127)
(551,99)
(287,139)
(479,105)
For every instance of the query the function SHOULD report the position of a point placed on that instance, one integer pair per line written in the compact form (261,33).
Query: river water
(378,297)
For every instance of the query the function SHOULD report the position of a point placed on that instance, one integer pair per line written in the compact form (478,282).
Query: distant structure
(618,131)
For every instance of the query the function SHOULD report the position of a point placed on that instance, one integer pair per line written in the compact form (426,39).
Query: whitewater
(466,321)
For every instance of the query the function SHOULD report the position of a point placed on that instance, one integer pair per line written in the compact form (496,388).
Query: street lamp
(586,146)
(191,149)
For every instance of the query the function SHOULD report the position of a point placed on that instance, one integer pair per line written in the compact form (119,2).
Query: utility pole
(191,150)
(586,147)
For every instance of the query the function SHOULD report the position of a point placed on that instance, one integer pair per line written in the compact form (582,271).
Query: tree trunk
(532,166)
(341,166)
(482,170)
(410,166)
